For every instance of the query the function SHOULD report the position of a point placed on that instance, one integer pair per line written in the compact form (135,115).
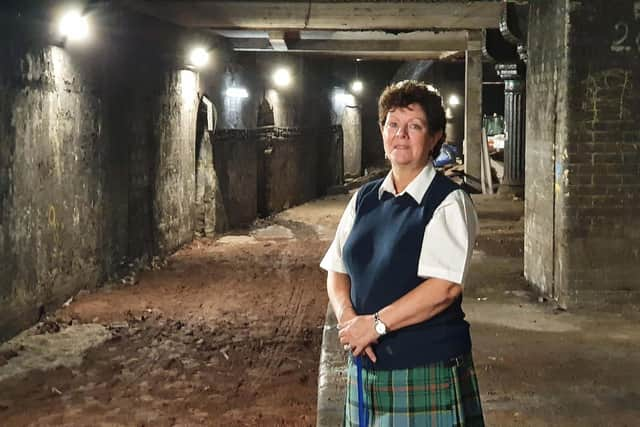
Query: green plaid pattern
(434,395)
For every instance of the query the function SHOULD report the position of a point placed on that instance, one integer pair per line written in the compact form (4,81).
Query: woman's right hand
(348,314)
(338,286)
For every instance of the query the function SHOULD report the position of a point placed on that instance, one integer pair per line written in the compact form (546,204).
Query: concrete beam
(368,44)
(323,16)
(278,41)
(382,45)
(398,49)
(390,56)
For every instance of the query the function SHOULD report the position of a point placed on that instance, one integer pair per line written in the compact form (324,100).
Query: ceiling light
(357,86)
(74,26)
(199,57)
(282,77)
(454,101)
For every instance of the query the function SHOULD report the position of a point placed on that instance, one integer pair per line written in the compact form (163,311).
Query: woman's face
(406,137)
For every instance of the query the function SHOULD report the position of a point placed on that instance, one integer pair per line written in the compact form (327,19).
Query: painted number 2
(618,44)
(622,34)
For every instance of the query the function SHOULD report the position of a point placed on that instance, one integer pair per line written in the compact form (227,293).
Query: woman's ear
(437,138)
(438,135)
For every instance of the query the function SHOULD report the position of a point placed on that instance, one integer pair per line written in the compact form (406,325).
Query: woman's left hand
(358,333)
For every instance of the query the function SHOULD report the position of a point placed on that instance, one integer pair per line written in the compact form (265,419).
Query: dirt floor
(228,333)
(537,364)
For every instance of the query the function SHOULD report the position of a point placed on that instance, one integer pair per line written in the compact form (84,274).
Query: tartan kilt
(439,394)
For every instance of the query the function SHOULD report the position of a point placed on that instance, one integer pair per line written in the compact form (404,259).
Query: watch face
(380,328)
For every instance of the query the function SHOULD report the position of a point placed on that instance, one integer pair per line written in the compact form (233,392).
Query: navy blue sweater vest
(381,256)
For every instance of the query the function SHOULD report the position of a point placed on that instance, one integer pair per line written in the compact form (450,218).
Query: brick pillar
(582,226)
(514,120)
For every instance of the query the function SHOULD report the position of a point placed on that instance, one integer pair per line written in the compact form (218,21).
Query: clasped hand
(358,333)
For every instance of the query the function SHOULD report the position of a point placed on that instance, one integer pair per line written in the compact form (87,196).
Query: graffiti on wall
(608,95)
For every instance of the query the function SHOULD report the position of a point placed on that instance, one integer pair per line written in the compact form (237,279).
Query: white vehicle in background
(494,126)
(496,143)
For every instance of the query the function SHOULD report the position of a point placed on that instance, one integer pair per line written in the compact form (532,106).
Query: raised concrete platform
(331,375)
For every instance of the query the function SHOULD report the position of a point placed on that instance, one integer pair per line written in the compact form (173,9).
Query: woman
(396,270)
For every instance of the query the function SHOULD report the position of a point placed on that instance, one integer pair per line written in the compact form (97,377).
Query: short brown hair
(406,92)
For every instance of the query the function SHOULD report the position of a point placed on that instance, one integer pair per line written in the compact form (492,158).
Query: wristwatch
(381,328)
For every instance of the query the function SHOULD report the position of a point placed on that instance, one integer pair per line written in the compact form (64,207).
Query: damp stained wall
(96,160)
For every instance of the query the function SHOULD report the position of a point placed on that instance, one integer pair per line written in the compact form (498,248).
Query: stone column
(473,110)
(352,131)
(514,122)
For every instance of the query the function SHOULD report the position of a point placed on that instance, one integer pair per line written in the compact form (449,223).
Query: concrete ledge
(601,300)
(353,183)
(332,378)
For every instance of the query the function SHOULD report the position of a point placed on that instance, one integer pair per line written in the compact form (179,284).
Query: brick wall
(602,158)
(593,151)
(235,156)
(330,159)
(266,170)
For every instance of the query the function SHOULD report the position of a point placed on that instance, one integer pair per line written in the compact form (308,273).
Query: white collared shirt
(449,237)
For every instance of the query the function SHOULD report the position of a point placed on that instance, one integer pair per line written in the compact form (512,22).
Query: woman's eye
(415,127)
(392,125)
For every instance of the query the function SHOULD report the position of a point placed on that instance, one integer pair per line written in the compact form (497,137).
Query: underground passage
(319,213)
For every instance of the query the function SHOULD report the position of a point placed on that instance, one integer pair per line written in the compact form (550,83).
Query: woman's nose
(402,131)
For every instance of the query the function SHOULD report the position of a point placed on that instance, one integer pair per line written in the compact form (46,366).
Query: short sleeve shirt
(449,237)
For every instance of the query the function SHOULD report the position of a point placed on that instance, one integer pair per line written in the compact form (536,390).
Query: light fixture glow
(237,92)
(344,98)
(357,86)
(454,101)
(282,77)
(199,57)
(74,26)
(189,86)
